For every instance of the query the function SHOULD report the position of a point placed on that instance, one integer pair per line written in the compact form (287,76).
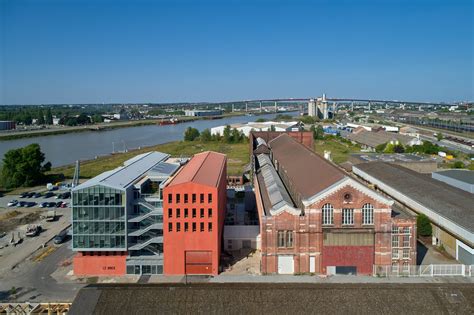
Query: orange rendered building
(194,203)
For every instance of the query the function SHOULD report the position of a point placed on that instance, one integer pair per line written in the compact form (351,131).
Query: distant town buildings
(7,125)
(202,112)
(316,219)
(260,126)
(369,140)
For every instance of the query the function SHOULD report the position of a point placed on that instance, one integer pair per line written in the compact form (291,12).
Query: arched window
(368,214)
(328,214)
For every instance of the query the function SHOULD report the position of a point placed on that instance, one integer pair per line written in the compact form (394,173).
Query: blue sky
(169,51)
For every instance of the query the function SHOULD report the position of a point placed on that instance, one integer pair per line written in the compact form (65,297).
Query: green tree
(458,164)
(24,167)
(226,135)
(272,128)
(423,225)
(191,134)
(380,148)
(439,136)
(206,135)
(236,136)
(308,120)
(49,117)
(41,120)
(97,118)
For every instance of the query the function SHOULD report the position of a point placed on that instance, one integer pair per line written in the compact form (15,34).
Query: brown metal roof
(204,168)
(308,172)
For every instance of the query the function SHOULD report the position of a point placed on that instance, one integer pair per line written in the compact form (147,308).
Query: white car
(12,203)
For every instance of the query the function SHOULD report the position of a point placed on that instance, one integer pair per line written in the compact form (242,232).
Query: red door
(198,262)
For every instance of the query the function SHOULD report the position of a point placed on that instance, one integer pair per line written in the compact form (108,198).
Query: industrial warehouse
(316,219)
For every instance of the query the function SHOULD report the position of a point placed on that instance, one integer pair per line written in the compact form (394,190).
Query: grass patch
(340,150)
(237,155)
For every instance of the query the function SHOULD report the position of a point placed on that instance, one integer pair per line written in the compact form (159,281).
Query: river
(67,148)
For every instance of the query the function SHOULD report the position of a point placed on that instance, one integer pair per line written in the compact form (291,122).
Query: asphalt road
(34,282)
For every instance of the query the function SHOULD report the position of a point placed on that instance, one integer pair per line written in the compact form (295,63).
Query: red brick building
(194,210)
(314,218)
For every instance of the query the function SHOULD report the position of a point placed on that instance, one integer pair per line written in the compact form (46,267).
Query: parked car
(51,204)
(12,203)
(58,204)
(64,205)
(43,205)
(51,215)
(24,195)
(33,230)
(61,237)
(48,195)
(37,195)
(30,204)
(21,204)
(30,194)
(65,195)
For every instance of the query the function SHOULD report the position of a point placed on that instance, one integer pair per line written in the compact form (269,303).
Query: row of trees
(26,116)
(23,167)
(229,135)
(425,148)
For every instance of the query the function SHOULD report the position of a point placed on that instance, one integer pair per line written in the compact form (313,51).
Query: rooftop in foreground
(204,168)
(275,298)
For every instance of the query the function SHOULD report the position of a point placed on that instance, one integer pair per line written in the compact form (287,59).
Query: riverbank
(237,157)
(59,130)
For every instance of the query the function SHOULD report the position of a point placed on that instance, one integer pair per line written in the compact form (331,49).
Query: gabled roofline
(346,181)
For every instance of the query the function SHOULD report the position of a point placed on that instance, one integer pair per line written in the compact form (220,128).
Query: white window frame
(395,243)
(406,241)
(347,216)
(368,214)
(395,253)
(328,214)
(406,253)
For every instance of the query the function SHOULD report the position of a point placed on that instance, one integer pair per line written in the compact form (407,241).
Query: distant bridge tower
(322,107)
(260,106)
(352,106)
(246,106)
(276,107)
(233,108)
(369,106)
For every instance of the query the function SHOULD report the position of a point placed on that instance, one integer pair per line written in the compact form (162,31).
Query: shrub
(423,225)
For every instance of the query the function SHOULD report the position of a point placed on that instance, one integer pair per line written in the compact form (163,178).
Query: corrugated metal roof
(452,203)
(373,139)
(124,176)
(204,168)
(163,169)
(277,196)
(466,176)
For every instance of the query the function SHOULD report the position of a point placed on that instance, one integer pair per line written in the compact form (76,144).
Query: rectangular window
(406,253)
(178,227)
(194,212)
(209,213)
(347,216)
(395,267)
(194,226)
(170,227)
(193,198)
(186,226)
(209,226)
(185,212)
(170,213)
(178,213)
(170,198)
(201,212)
(394,229)
(394,240)
(285,239)
(406,241)
(406,230)
(178,198)
(289,238)
(201,198)
(209,198)
(395,253)
(185,198)
(201,226)
(405,267)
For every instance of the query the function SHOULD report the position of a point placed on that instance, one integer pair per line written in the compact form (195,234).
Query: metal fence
(423,271)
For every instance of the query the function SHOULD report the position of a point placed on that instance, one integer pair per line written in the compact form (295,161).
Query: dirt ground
(10,220)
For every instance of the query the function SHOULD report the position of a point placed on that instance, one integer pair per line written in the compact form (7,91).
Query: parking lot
(36,200)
